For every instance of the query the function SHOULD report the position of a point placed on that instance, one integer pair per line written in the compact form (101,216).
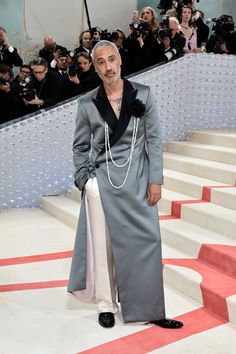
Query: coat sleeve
(153,141)
(81,147)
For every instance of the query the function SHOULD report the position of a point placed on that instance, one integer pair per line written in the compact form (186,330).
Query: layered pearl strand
(129,160)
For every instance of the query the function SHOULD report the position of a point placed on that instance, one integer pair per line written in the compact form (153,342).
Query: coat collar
(118,126)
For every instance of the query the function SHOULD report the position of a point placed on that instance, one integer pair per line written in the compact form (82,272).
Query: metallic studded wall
(197,91)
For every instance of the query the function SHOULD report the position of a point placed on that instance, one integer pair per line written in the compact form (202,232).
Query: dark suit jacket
(48,54)
(10,59)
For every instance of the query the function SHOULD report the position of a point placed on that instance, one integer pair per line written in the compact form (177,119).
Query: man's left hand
(154,193)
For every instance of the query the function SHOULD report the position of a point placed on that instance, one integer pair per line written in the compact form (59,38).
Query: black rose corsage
(137,108)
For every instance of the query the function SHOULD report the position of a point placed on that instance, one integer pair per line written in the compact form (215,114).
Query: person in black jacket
(81,77)
(142,47)
(11,102)
(45,88)
(8,54)
(85,41)
(51,47)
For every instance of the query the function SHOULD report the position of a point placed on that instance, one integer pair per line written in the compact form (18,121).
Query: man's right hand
(6,87)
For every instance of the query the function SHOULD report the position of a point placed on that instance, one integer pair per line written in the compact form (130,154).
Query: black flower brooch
(137,109)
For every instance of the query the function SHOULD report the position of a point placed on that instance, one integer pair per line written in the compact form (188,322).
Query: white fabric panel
(65,20)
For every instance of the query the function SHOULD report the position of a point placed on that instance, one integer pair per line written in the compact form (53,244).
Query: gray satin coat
(133,225)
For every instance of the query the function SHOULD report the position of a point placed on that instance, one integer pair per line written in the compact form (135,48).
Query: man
(118,241)
(119,39)
(10,96)
(50,49)
(24,76)
(45,88)
(85,41)
(8,54)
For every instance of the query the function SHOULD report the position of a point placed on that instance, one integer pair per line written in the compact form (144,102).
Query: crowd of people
(58,73)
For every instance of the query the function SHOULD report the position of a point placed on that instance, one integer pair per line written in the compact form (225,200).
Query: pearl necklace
(129,160)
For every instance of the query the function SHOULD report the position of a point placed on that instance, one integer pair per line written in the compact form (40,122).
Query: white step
(188,238)
(184,280)
(168,196)
(212,217)
(231,304)
(63,208)
(215,137)
(203,151)
(188,281)
(216,171)
(74,194)
(189,184)
(225,197)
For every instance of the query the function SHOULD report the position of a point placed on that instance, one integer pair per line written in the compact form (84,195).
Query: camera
(223,24)
(75,70)
(164,33)
(4,81)
(28,94)
(139,29)
(109,36)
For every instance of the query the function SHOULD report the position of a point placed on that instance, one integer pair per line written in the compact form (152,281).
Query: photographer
(25,75)
(150,16)
(45,87)
(10,96)
(81,77)
(8,54)
(50,49)
(220,40)
(171,41)
(85,41)
(142,46)
(118,37)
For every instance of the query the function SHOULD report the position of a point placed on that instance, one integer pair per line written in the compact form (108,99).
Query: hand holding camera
(35,101)
(5,84)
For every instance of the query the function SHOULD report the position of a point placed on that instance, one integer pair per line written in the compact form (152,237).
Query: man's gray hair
(103,43)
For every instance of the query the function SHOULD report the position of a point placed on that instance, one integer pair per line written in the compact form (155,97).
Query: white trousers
(104,275)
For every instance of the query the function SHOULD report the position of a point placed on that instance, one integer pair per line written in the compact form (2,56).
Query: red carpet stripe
(155,337)
(33,286)
(222,257)
(35,258)
(206,191)
(167,217)
(215,286)
(177,204)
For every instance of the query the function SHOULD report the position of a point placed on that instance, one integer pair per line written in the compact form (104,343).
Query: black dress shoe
(106,319)
(168,323)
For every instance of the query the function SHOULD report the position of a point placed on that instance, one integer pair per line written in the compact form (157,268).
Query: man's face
(62,63)
(107,64)
(84,63)
(24,73)
(39,72)
(86,40)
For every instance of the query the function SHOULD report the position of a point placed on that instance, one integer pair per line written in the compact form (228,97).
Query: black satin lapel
(128,98)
